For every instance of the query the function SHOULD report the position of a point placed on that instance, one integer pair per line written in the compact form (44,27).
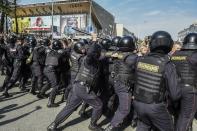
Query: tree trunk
(16,21)
(6,23)
(2,22)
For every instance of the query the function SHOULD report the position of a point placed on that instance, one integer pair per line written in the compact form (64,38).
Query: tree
(15,16)
(4,9)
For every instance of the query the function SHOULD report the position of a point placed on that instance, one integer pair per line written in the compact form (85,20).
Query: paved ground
(24,112)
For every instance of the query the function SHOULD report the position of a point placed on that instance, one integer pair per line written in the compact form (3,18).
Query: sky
(144,17)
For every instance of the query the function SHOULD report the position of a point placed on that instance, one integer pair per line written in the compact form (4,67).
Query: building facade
(85,15)
(191,29)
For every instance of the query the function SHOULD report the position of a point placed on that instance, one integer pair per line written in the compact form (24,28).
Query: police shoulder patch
(148,67)
(179,58)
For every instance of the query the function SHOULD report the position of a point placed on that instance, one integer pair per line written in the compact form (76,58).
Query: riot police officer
(123,79)
(2,51)
(37,67)
(8,59)
(186,63)
(156,76)
(51,70)
(25,70)
(83,90)
(17,57)
(75,57)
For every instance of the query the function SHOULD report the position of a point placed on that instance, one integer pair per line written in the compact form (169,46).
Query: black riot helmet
(57,45)
(45,42)
(106,43)
(161,42)
(79,47)
(116,40)
(190,42)
(1,40)
(32,42)
(94,51)
(84,41)
(12,40)
(126,44)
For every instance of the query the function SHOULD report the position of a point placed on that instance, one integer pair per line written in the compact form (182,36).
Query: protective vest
(185,69)
(150,84)
(52,58)
(88,75)
(64,62)
(123,72)
(74,58)
(13,51)
(39,55)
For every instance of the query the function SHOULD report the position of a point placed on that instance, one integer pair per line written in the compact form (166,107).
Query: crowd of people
(152,86)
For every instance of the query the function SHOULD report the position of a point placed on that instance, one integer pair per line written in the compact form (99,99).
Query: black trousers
(37,76)
(124,106)
(76,97)
(15,75)
(152,116)
(53,80)
(9,70)
(188,108)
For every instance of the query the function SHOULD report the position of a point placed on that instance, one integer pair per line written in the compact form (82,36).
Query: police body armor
(87,75)
(123,72)
(150,84)
(39,55)
(185,69)
(63,60)
(52,58)
(75,58)
(13,51)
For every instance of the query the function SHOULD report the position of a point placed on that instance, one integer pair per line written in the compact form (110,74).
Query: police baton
(84,32)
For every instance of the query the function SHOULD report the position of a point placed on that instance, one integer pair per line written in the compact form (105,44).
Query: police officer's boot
(41,96)
(2,88)
(6,94)
(94,127)
(51,102)
(32,89)
(134,123)
(2,70)
(52,127)
(111,128)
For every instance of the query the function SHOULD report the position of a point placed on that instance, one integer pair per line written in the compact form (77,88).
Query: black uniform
(17,57)
(52,72)
(155,76)
(65,69)
(2,51)
(156,79)
(83,91)
(123,82)
(26,70)
(75,59)
(37,67)
(186,63)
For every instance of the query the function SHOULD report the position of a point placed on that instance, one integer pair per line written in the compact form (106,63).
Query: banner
(69,21)
(23,23)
